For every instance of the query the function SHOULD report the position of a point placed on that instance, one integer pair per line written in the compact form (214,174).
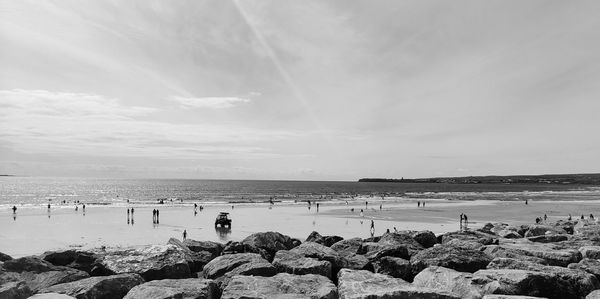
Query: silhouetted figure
(14,208)
(591,216)
(361,213)
(195,206)
(83,207)
(132,212)
(372,224)
(570,218)
(76,208)
(381,207)
(538,219)
(545,217)
(387,231)
(184,234)
(317,207)
(418,204)
(465,220)
(153,215)
(423,204)
(526,202)
(128,212)
(157,216)
(582,217)
(461,220)
(395,230)
(366,204)
(48,207)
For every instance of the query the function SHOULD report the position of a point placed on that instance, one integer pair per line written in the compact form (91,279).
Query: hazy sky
(299,89)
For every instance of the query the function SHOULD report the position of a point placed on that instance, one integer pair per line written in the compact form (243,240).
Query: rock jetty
(550,260)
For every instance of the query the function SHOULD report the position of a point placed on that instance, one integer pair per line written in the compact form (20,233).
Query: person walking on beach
(423,204)
(461,220)
(570,218)
(14,208)
(184,234)
(317,207)
(545,217)
(48,207)
(361,213)
(418,204)
(131,212)
(153,215)
(127,212)
(83,207)
(380,207)
(466,221)
(157,216)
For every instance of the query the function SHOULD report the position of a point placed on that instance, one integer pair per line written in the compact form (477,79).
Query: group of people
(155,216)
(419,204)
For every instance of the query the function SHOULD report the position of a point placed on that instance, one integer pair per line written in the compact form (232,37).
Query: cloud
(46,122)
(209,102)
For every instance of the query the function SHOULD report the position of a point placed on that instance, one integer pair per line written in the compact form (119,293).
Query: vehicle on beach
(223,220)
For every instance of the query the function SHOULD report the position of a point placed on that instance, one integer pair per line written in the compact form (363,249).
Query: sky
(298,90)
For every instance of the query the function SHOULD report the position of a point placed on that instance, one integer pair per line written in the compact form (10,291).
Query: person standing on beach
(418,204)
(14,208)
(83,208)
(461,220)
(466,221)
(153,215)
(366,204)
(157,217)
(317,207)
(184,234)
(48,207)
(545,217)
(361,213)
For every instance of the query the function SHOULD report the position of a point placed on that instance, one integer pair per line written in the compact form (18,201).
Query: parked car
(223,220)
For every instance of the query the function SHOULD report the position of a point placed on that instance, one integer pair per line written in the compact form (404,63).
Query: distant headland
(582,179)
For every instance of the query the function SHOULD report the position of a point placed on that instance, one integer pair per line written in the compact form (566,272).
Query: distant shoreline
(562,179)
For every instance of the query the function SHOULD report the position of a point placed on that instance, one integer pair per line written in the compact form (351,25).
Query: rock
(348,246)
(77,259)
(404,240)
(175,288)
(295,263)
(459,259)
(590,252)
(39,274)
(593,295)
(548,238)
(314,236)
(51,296)
(567,226)
(425,237)
(5,257)
(393,266)
(514,282)
(502,230)
(375,251)
(357,262)
(151,262)
(365,284)
(591,266)
(465,244)
(15,290)
(214,248)
(269,242)
(498,251)
(441,278)
(196,260)
(320,252)
(549,252)
(510,297)
(569,283)
(511,235)
(114,286)
(233,247)
(540,230)
(282,285)
(330,240)
(223,268)
(475,236)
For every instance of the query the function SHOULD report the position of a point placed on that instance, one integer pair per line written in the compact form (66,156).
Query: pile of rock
(558,260)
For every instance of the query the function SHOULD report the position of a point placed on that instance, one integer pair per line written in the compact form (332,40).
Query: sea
(39,191)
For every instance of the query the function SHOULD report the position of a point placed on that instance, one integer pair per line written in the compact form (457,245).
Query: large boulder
(151,262)
(590,252)
(374,251)
(510,297)
(196,260)
(77,259)
(441,278)
(457,258)
(591,266)
(320,252)
(15,290)
(465,244)
(175,288)
(214,248)
(37,273)
(540,230)
(498,251)
(324,240)
(469,235)
(223,268)
(393,266)
(425,237)
(571,283)
(269,243)
(551,253)
(402,239)
(294,263)
(549,238)
(593,295)
(347,246)
(5,257)
(502,230)
(515,282)
(357,262)
(282,285)
(365,284)
(101,287)
(51,296)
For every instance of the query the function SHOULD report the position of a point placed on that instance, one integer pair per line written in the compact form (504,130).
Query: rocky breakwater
(553,260)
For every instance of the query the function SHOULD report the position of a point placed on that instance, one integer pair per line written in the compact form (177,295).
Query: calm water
(37,192)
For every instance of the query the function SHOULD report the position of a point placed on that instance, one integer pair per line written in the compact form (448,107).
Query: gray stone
(100,287)
(393,266)
(38,274)
(51,296)
(196,259)
(14,290)
(365,284)
(510,297)
(214,248)
(591,266)
(5,257)
(348,246)
(570,283)
(151,262)
(269,243)
(548,238)
(540,230)
(320,252)
(190,288)
(469,235)
(515,282)
(77,259)
(590,252)
(223,268)
(550,252)
(295,263)
(374,251)
(593,295)
(402,239)
(459,259)
(282,285)
(441,278)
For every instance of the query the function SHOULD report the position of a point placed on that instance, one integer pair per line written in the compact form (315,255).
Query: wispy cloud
(40,121)
(209,102)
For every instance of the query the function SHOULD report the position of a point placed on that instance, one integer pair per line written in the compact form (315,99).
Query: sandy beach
(34,231)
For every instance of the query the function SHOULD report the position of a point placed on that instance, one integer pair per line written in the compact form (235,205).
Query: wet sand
(35,231)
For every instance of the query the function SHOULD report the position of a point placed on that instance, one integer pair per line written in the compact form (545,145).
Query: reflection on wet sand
(223,233)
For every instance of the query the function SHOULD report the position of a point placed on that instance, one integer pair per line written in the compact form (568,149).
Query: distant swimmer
(184,234)
(14,208)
